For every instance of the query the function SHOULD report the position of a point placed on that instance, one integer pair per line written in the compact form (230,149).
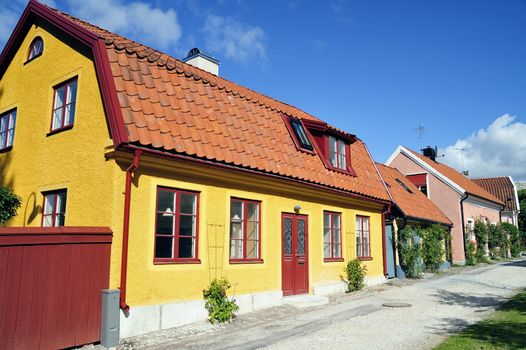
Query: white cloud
(498,150)
(235,40)
(137,20)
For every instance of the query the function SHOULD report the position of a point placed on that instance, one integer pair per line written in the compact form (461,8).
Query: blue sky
(373,68)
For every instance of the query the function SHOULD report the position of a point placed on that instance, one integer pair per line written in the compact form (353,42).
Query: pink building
(504,189)
(459,198)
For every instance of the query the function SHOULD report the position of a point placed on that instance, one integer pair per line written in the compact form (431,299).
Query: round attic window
(36,48)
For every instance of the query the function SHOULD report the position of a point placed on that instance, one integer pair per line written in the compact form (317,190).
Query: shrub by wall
(409,252)
(481,232)
(355,272)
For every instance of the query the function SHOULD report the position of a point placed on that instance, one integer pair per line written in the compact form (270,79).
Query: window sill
(365,258)
(245,261)
(178,261)
(333,259)
(6,149)
(32,58)
(56,131)
(343,171)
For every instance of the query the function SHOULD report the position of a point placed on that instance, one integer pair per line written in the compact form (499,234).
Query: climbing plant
(433,247)
(409,252)
(481,231)
(512,232)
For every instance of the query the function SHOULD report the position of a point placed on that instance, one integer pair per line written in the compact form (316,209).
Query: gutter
(126,229)
(466,195)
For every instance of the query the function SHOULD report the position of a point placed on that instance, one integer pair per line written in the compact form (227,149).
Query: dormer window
(337,153)
(301,135)
(36,48)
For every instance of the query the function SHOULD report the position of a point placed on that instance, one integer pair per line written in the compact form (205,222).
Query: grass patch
(506,329)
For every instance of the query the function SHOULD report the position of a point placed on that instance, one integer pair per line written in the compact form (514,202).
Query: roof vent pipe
(202,60)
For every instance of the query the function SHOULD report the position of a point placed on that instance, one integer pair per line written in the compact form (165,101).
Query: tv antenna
(420,129)
(465,172)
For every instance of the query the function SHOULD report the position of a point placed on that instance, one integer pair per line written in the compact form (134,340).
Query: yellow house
(197,177)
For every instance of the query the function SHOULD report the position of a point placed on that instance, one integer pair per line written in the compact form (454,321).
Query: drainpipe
(126,229)
(466,195)
(386,211)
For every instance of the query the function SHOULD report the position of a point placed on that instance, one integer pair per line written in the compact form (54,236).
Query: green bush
(409,252)
(498,241)
(219,307)
(512,232)
(9,204)
(470,253)
(355,272)
(481,232)
(433,247)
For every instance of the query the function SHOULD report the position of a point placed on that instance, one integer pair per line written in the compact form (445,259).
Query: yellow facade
(83,161)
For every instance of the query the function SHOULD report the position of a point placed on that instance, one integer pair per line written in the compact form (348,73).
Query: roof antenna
(464,172)
(420,129)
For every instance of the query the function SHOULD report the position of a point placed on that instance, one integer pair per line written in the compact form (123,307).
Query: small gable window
(7,129)
(337,153)
(64,105)
(36,48)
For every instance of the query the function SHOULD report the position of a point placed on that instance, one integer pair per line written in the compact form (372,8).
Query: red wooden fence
(50,286)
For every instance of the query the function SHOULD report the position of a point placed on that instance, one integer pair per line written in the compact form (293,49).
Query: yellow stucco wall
(75,159)
(156,284)
(72,159)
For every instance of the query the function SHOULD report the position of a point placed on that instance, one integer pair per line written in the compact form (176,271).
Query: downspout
(126,229)
(466,195)
(386,211)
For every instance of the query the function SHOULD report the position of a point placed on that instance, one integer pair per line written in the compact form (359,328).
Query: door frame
(295,217)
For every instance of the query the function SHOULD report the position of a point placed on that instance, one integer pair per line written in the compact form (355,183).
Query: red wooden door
(295,263)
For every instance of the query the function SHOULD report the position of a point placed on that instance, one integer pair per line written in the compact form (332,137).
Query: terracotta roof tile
(502,188)
(461,180)
(413,204)
(170,105)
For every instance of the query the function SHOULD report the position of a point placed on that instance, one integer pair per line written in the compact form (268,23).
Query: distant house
(459,198)
(411,208)
(504,189)
(196,176)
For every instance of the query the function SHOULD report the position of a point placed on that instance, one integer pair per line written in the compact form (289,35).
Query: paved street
(439,305)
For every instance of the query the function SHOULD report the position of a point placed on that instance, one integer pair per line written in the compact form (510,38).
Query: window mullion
(54,211)
(244,210)
(176,225)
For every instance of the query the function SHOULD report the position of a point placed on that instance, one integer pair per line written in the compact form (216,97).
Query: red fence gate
(50,285)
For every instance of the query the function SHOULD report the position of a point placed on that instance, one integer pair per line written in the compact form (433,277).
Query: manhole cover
(396,305)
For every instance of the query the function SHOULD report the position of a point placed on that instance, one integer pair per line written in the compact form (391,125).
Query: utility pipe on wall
(126,228)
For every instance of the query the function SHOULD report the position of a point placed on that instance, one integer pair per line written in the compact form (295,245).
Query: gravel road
(439,306)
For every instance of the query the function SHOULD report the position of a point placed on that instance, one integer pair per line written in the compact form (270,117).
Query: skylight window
(301,135)
(404,186)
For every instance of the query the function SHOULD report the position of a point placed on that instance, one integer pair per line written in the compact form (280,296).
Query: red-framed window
(64,101)
(363,243)
(7,129)
(332,236)
(338,153)
(35,49)
(176,225)
(54,208)
(245,230)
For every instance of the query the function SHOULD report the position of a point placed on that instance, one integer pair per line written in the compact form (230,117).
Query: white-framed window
(337,153)
(245,240)
(7,129)
(54,209)
(65,97)
(332,236)
(363,244)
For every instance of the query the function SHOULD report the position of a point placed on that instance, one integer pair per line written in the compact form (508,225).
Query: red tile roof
(172,106)
(461,180)
(413,204)
(502,188)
